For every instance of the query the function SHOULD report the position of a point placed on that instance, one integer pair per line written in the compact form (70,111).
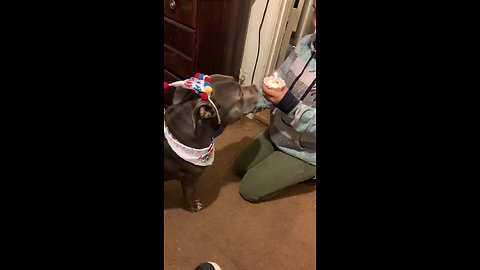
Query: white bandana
(199,157)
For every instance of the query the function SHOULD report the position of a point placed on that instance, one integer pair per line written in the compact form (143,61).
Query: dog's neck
(179,116)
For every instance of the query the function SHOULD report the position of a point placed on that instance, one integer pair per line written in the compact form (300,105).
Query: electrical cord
(258,49)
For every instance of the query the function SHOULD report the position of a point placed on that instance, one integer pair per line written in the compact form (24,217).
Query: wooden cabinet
(206,36)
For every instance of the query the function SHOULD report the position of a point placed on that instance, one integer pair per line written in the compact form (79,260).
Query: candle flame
(275,75)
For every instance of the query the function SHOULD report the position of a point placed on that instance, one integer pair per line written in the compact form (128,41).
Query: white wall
(271,36)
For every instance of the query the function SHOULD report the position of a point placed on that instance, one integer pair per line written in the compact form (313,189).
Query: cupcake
(274,82)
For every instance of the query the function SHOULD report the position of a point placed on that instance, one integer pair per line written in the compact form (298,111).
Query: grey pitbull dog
(193,122)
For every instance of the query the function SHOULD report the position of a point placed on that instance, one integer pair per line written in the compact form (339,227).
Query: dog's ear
(203,110)
(206,111)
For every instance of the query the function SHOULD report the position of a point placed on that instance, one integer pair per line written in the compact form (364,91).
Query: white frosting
(274,82)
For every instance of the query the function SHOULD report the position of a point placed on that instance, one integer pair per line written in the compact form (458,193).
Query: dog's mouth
(250,108)
(250,111)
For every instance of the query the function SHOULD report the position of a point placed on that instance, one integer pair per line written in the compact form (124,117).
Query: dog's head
(232,100)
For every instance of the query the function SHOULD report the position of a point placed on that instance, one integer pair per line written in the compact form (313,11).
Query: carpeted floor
(278,234)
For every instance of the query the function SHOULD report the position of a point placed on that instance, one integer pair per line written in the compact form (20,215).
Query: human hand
(273,95)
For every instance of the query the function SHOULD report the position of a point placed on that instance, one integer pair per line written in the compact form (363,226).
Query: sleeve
(289,101)
(301,117)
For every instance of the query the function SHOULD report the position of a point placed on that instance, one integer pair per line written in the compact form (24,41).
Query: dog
(191,122)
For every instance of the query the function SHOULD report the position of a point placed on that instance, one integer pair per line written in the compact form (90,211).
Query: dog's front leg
(189,186)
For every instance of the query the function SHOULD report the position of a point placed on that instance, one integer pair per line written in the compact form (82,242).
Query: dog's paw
(196,206)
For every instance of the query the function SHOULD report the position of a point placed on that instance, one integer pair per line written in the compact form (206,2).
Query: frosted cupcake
(274,82)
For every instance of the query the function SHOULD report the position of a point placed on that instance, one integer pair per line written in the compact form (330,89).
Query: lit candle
(275,75)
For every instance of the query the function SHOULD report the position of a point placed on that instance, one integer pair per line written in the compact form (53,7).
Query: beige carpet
(278,234)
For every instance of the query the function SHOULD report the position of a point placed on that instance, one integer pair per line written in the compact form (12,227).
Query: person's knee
(248,193)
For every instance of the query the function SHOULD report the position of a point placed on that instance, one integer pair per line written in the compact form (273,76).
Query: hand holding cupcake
(274,88)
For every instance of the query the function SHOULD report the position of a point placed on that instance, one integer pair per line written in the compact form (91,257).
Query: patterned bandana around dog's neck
(199,157)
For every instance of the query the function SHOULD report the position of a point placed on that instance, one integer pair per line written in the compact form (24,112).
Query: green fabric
(266,171)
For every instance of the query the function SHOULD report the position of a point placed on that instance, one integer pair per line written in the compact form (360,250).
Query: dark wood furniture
(206,36)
